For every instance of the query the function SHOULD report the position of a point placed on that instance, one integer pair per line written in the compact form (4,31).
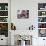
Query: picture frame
(22,14)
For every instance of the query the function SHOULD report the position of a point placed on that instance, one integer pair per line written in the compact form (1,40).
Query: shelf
(3,22)
(41,10)
(4,19)
(3,10)
(41,22)
(3,16)
(42,19)
(41,28)
(42,16)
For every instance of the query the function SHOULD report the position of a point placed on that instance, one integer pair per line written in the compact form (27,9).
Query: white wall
(23,24)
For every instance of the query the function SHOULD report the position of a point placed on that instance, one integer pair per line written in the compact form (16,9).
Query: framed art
(22,14)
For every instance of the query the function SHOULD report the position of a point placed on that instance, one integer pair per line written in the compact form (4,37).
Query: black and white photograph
(22,14)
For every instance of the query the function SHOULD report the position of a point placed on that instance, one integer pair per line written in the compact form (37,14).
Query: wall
(23,24)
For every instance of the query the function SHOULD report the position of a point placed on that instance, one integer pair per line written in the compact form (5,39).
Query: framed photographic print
(22,14)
